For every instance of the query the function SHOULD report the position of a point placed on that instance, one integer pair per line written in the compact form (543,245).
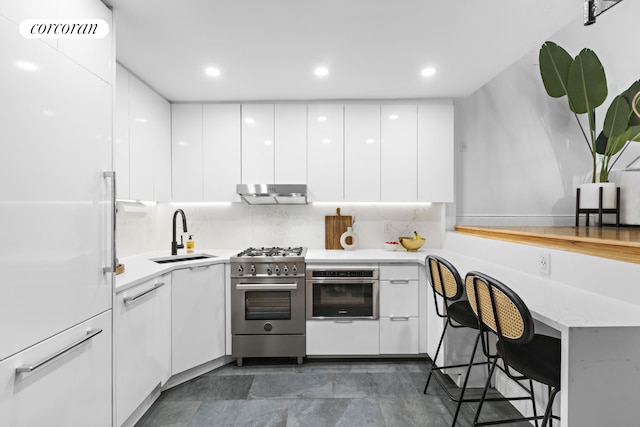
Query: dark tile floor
(321,392)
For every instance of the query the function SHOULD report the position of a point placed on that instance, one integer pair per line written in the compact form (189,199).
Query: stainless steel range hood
(273,194)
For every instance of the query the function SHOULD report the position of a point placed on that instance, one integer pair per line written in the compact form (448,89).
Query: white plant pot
(590,195)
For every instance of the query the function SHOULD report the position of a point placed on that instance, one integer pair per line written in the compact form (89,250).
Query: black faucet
(174,243)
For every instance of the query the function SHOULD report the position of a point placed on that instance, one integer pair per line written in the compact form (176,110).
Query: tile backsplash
(237,225)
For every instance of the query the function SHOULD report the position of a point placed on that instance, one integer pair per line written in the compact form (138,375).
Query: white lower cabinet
(142,317)
(197,316)
(72,389)
(399,310)
(343,337)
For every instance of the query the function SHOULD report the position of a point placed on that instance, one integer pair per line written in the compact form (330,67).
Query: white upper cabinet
(258,152)
(121,153)
(399,165)
(142,149)
(186,150)
(435,153)
(221,151)
(362,152)
(290,144)
(325,152)
(96,55)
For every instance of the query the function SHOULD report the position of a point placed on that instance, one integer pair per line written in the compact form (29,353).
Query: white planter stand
(598,198)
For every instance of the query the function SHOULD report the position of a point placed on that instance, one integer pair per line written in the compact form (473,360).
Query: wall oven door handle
(267,286)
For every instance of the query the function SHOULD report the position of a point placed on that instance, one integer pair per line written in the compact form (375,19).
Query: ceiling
(373,49)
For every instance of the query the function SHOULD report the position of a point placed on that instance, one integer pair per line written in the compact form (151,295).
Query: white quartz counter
(139,268)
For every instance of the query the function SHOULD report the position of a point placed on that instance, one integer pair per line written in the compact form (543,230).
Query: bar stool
(448,291)
(525,354)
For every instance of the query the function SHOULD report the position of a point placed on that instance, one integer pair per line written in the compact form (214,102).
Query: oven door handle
(267,286)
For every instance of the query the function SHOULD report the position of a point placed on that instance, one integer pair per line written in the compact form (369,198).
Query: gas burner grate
(272,252)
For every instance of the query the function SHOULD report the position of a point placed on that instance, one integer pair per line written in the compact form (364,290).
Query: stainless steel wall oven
(342,292)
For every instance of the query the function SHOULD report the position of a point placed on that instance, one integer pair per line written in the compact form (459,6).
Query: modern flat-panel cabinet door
(142,326)
(71,390)
(399,164)
(197,316)
(290,143)
(362,152)
(435,153)
(257,144)
(121,138)
(186,151)
(141,140)
(221,151)
(325,158)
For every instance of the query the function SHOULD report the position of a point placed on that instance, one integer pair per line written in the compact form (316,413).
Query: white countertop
(139,268)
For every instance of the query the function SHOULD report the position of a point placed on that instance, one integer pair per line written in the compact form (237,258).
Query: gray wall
(525,153)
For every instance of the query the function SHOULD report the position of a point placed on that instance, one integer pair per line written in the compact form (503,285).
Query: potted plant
(582,79)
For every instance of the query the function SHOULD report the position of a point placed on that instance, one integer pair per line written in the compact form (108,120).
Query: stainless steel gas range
(268,303)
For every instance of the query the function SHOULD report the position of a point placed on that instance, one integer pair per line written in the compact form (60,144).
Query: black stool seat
(539,359)
(462,313)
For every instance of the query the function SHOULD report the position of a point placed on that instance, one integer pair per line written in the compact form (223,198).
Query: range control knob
(294,269)
(268,327)
(285,269)
(268,269)
(276,269)
(240,270)
(252,269)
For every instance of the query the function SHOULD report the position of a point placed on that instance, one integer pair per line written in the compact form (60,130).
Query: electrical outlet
(387,226)
(544,263)
(463,146)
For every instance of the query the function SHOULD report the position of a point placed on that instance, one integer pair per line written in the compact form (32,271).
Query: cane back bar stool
(448,291)
(525,355)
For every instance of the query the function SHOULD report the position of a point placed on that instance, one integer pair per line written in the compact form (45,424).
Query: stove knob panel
(277,269)
(253,269)
(240,269)
(285,269)
(294,269)
(269,269)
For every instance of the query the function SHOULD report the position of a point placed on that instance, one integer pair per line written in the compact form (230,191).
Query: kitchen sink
(180,258)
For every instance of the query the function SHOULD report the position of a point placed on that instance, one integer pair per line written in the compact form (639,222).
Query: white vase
(354,240)
(590,195)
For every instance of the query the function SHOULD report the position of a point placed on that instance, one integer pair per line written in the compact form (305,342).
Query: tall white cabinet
(57,130)
(399,164)
(290,160)
(220,152)
(435,153)
(362,152)
(325,145)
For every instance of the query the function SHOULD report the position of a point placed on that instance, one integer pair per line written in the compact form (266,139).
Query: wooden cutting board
(334,227)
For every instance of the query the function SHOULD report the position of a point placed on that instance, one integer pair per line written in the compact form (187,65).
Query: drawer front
(328,337)
(399,335)
(399,299)
(73,389)
(398,272)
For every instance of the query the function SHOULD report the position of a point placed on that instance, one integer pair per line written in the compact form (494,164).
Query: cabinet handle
(399,280)
(196,267)
(399,318)
(32,367)
(344,321)
(267,286)
(112,175)
(129,300)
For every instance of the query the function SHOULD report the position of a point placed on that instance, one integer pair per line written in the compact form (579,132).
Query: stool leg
(466,379)
(484,392)
(548,412)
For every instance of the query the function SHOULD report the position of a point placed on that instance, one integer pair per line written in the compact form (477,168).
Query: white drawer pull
(129,300)
(399,318)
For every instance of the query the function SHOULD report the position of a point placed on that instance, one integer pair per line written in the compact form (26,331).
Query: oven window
(342,299)
(267,305)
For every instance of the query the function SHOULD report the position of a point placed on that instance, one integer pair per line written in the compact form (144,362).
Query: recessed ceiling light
(26,66)
(212,71)
(141,120)
(429,71)
(183,143)
(370,141)
(321,71)
(322,119)
(326,141)
(267,142)
(249,120)
(393,117)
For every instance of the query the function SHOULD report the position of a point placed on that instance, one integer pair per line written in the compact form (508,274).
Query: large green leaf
(554,68)
(601,143)
(587,83)
(617,118)
(629,94)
